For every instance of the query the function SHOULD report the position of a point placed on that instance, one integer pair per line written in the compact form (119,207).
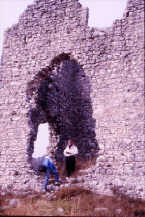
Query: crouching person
(40,159)
(50,169)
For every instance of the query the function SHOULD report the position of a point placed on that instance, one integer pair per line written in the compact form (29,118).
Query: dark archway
(61,97)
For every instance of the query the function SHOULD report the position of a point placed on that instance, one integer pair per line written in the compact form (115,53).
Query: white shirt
(69,151)
(42,141)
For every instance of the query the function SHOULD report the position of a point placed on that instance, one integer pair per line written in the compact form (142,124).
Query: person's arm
(66,152)
(75,150)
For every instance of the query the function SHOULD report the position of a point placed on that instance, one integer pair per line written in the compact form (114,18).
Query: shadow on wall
(60,95)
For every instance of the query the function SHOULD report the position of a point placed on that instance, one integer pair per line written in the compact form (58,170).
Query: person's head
(52,152)
(70,142)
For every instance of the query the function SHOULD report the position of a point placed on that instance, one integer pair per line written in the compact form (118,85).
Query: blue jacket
(47,163)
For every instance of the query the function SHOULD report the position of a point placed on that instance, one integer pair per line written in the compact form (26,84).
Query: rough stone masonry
(112,61)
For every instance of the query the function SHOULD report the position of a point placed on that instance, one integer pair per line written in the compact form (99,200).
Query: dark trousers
(70,165)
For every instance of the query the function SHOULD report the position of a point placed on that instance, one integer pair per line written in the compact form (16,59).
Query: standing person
(69,152)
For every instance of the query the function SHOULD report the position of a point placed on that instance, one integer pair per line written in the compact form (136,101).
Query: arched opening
(60,95)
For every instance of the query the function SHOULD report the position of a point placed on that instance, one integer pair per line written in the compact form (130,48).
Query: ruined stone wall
(112,60)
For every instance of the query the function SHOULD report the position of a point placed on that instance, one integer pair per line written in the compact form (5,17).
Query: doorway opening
(60,96)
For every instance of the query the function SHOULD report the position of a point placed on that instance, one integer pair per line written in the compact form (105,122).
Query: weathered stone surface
(113,62)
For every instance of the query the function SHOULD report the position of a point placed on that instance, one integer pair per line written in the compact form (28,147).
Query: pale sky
(102,13)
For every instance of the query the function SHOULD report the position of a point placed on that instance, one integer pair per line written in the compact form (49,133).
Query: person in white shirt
(69,152)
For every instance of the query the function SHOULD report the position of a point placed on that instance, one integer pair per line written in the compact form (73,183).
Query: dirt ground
(72,201)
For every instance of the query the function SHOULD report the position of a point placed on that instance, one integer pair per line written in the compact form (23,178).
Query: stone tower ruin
(100,70)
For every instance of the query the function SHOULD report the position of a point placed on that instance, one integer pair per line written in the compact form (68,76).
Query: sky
(102,13)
